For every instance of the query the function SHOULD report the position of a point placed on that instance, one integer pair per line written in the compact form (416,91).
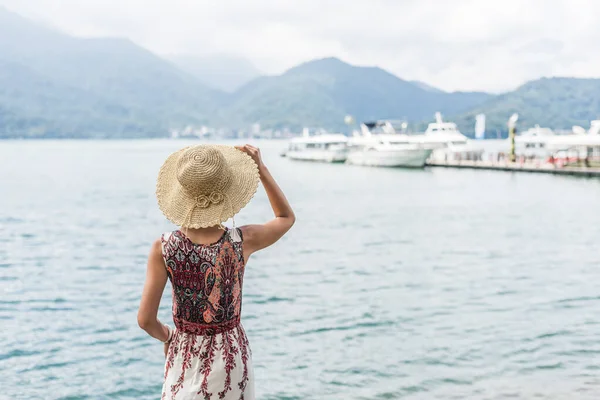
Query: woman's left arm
(156,279)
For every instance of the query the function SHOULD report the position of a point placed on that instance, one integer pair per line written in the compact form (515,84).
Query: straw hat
(205,185)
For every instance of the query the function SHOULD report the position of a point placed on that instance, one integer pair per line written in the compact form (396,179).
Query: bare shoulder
(156,247)
(156,254)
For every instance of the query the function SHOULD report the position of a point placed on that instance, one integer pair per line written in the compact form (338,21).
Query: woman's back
(207,281)
(207,285)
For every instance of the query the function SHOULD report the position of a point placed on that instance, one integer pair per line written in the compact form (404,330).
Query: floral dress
(209,356)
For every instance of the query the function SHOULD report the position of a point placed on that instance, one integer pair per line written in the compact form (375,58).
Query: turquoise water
(394,284)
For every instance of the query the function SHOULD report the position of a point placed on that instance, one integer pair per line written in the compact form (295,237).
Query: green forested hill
(557,103)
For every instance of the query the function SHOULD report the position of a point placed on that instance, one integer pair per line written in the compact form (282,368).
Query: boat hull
(407,158)
(329,156)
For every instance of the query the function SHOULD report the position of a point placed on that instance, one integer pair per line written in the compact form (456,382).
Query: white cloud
(455,45)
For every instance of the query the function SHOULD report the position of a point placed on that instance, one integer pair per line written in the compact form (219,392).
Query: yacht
(580,141)
(332,148)
(378,145)
(447,142)
(534,141)
(535,137)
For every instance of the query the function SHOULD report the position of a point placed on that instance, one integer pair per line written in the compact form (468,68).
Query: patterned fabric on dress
(209,356)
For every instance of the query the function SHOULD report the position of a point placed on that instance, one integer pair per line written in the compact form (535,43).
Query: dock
(531,167)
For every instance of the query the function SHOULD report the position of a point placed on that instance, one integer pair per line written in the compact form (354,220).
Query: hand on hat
(253,152)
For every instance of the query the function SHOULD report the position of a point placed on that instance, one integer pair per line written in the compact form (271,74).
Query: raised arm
(156,279)
(257,237)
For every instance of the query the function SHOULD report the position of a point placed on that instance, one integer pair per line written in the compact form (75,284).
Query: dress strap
(235,234)
(164,239)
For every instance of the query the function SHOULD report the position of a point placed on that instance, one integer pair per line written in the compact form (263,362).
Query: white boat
(447,142)
(534,141)
(580,137)
(385,149)
(324,148)
(581,143)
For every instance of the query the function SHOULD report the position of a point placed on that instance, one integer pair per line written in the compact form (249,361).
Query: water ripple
(434,284)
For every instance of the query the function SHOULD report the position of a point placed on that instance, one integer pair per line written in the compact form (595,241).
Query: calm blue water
(394,284)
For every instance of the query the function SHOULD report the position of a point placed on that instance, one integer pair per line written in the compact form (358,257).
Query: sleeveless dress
(209,356)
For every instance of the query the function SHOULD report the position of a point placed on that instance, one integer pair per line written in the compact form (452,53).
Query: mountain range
(322,92)
(56,85)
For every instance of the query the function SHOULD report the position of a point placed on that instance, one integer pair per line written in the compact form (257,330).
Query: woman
(199,188)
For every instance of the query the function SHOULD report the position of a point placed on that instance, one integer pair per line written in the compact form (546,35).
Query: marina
(539,150)
(532,167)
(385,143)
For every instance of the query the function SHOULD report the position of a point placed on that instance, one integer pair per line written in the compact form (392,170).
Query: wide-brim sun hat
(205,185)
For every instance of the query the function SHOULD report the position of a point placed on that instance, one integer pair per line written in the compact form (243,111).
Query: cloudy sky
(492,45)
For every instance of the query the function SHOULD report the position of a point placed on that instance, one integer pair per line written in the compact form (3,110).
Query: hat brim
(181,209)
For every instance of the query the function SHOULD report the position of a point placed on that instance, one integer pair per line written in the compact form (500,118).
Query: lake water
(394,284)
